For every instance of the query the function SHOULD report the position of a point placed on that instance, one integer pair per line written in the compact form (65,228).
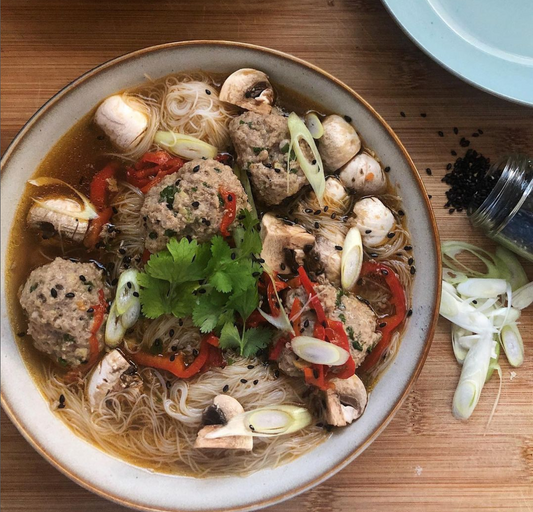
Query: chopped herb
(167,195)
(170,233)
(62,362)
(33,287)
(342,318)
(340,294)
(68,337)
(257,150)
(285,148)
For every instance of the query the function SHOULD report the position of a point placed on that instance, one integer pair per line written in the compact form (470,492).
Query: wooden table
(425,460)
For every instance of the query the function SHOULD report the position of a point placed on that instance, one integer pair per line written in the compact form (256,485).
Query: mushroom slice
(113,373)
(284,246)
(122,123)
(45,216)
(330,257)
(250,89)
(339,144)
(346,402)
(224,408)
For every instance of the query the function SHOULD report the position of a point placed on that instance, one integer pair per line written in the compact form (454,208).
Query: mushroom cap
(364,175)
(123,124)
(45,216)
(374,221)
(346,401)
(250,89)
(339,144)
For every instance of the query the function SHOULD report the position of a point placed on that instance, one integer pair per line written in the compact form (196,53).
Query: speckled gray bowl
(146,490)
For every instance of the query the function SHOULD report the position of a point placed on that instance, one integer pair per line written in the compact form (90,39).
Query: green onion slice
(314,172)
(185,146)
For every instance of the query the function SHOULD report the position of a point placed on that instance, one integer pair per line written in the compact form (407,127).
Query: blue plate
(488,43)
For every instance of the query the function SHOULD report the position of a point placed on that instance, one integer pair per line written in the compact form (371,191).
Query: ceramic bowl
(147,490)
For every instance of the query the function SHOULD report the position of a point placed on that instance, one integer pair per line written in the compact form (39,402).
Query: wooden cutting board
(425,460)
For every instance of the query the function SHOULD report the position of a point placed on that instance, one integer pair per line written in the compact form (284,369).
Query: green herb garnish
(206,282)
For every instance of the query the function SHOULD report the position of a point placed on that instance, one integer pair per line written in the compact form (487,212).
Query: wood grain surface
(425,460)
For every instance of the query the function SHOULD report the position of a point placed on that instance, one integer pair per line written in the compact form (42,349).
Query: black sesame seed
(244,381)
(180,322)
(308,210)
(136,294)
(317,212)
(440,133)
(70,295)
(196,168)
(251,427)
(368,231)
(408,248)
(401,213)
(53,293)
(195,352)
(348,119)
(129,285)
(202,290)
(333,215)
(429,172)
(90,310)
(317,225)
(423,114)
(172,357)
(276,374)
(385,272)
(451,210)
(233,256)
(412,270)
(230,198)
(429,196)
(256,382)
(387,169)
(453,152)
(61,399)
(208,92)
(374,254)
(61,406)
(250,367)
(448,167)
(282,266)
(456,130)
(464,143)
(195,204)
(338,248)
(326,208)
(409,313)
(225,389)
(83,278)
(21,334)
(475,134)
(174,348)
(114,282)
(410,261)
(171,333)
(480,131)
(402,114)
(383,324)
(390,235)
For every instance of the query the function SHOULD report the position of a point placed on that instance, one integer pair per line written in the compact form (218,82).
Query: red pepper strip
(293,283)
(310,289)
(94,348)
(319,332)
(214,359)
(336,334)
(392,321)
(153,157)
(275,351)
(176,366)
(224,158)
(255,319)
(315,376)
(146,256)
(100,185)
(295,312)
(230,210)
(272,300)
(212,340)
(95,227)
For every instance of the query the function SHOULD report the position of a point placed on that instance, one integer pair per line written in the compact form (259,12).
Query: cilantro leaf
(229,336)
(255,339)
(207,311)
(245,302)
(154,296)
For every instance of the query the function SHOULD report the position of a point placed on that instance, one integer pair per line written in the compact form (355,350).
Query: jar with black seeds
(506,213)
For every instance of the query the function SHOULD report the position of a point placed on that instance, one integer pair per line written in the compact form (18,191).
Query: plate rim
(397,13)
(351,456)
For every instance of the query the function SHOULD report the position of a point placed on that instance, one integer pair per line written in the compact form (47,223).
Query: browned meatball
(262,146)
(190,203)
(58,299)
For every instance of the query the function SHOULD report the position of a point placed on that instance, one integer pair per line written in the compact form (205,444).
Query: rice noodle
(158,429)
(186,103)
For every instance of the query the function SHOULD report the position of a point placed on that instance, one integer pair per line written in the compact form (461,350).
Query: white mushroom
(364,175)
(122,123)
(283,245)
(45,216)
(346,401)
(374,221)
(250,89)
(224,408)
(339,144)
(113,373)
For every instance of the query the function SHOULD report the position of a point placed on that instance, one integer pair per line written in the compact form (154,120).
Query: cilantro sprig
(212,282)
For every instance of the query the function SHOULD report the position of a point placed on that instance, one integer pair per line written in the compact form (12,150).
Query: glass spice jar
(506,215)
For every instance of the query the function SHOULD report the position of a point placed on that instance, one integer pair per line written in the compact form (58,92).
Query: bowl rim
(352,455)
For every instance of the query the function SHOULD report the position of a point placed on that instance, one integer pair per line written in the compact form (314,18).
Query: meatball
(190,203)
(262,146)
(364,175)
(339,144)
(58,298)
(359,320)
